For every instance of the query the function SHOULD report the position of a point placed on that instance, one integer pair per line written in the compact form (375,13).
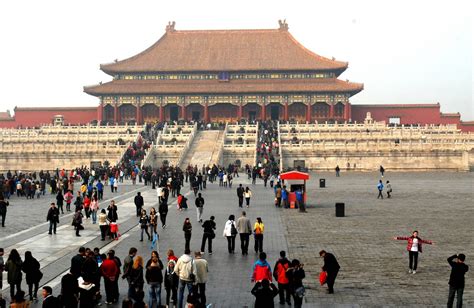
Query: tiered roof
(214,51)
(224,51)
(124,87)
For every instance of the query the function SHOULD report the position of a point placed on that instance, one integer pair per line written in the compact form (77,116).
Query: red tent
(294,175)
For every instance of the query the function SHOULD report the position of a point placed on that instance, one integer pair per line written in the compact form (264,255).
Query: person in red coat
(109,270)
(261,269)
(414,246)
(279,272)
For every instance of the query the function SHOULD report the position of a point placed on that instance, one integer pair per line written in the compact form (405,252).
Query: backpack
(258,230)
(233,230)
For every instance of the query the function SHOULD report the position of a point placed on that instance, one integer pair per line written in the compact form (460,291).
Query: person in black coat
(53,218)
(264,292)
(77,261)
(31,268)
(69,291)
(49,301)
(456,279)
(163,210)
(3,209)
(112,212)
(139,203)
(331,267)
(60,201)
(295,275)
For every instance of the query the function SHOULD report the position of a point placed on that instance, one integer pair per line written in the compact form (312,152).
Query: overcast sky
(403,51)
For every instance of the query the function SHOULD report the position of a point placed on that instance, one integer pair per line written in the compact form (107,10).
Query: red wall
(408,115)
(31,117)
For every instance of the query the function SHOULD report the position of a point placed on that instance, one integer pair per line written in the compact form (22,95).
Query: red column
(162,113)
(138,115)
(206,113)
(346,112)
(331,111)
(308,113)
(183,112)
(349,117)
(100,111)
(116,115)
(262,113)
(285,114)
(240,114)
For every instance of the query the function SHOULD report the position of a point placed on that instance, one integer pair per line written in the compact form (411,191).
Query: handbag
(323,276)
(300,292)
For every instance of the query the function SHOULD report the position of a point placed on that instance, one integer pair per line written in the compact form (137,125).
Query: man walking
(139,203)
(199,202)
(456,279)
(53,218)
(331,267)
(201,270)
(3,209)
(209,227)
(279,273)
(338,170)
(127,268)
(245,229)
(380,189)
(240,195)
(185,269)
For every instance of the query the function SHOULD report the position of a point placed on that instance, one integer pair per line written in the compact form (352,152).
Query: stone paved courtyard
(373,265)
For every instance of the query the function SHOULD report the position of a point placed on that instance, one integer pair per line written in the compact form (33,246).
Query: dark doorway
(252,115)
(174,113)
(196,116)
(275,113)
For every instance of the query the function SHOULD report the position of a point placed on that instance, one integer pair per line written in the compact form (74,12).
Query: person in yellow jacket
(258,229)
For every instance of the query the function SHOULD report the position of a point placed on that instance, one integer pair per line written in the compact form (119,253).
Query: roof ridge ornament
(170,26)
(283,25)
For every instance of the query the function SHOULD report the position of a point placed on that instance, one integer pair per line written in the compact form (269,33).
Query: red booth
(293,179)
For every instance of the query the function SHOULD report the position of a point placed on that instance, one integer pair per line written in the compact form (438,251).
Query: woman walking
(163,210)
(103,225)
(31,268)
(171,283)
(68,198)
(247,195)
(77,220)
(94,207)
(154,278)
(187,228)
(153,222)
(13,267)
(60,201)
(414,246)
(258,229)
(144,220)
(230,232)
(136,277)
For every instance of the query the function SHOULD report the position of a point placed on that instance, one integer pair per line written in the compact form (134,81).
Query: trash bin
(322,183)
(340,209)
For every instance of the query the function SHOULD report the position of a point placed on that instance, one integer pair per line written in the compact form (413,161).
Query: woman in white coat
(230,232)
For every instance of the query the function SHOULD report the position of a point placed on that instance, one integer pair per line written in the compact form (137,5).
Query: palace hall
(225,76)
(228,76)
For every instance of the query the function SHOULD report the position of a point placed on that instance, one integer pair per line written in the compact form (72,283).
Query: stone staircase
(204,149)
